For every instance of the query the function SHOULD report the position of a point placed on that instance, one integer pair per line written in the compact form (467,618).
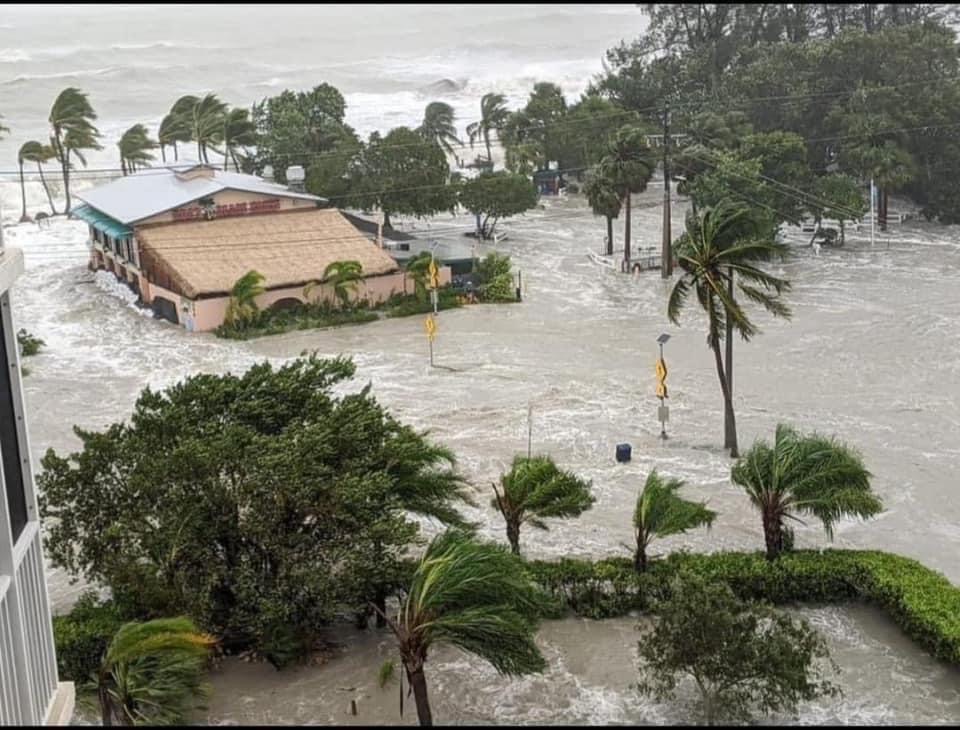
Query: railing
(10,709)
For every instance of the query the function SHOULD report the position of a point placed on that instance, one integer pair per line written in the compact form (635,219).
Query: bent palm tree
(239,132)
(474,596)
(27,153)
(661,512)
(419,268)
(534,489)
(173,128)
(135,146)
(493,115)
(204,116)
(34,151)
(71,121)
(707,263)
(438,126)
(153,673)
(802,474)
(242,308)
(628,166)
(343,276)
(604,200)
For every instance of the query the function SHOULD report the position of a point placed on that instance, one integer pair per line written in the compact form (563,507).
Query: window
(9,438)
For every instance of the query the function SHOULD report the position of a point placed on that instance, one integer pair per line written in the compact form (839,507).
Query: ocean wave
(13,55)
(25,78)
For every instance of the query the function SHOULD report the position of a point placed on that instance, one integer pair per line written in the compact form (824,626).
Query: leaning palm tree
(40,154)
(474,596)
(493,115)
(239,132)
(135,146)
(604,200)
(628,165)
(343,276)
(438,126)
(204,117)
(418,268)
(173,128)
(661,512)
(31,151)
(242,308)
(707,262)
(153,673)
(535,489)
(804,474)
(71,122)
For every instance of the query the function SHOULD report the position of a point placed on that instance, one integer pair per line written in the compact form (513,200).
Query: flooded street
(871,355)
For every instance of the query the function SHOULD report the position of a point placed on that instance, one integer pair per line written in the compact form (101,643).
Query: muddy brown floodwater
(871,355)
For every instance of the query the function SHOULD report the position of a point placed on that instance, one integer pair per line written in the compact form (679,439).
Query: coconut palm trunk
(46,189)
(729,426)
(772,533)
(65,167)
(418,683)
(486,139)
(729,419)
(24,218)
(609,236)
(626,231)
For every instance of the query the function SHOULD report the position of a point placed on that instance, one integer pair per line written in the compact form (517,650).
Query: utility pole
(873,214)
(666,255)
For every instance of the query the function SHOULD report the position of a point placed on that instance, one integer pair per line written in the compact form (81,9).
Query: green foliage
(135,146)
(661,512)
(494,195)
(305,316)
(537,129)
(82,636)
(247,502)
(438,126)
(242,309)
(387,673)
(407,305)
(29,344)
(153,673)
(602,194)
(493,117)
(496,278)
(745,658)
(536,489)
(72,132)
(804,474)
(344,277)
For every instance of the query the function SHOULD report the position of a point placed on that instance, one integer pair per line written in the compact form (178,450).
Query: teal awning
(102,222)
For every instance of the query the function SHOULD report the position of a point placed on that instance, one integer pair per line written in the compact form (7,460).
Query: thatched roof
(289,248)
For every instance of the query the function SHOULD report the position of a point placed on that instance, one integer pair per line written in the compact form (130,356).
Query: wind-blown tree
(661,512)
(135,146)
(493,115)
(629,166)
(891,167)
(583,136)
(242,309)
(438,126)
(31,151)
(803,474)
(839,197)
(536,489)
(418,267)
(604,200)
(173,128)
(205,116)
(239,132)
(537,128)
(474,596)
(71,122)
(153,673)
(492,196)
(706,258)
(343,276)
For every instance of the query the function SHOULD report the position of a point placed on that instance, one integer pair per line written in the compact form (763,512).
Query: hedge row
(82,636)
(921,601)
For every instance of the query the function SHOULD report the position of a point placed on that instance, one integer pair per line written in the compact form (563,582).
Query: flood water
(870,356)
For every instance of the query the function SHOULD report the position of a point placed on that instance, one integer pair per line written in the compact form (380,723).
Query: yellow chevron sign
(434,275)
(661,370)
(431,326)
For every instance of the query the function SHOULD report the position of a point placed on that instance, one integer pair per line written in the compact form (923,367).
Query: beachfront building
(181,236)
(30,692)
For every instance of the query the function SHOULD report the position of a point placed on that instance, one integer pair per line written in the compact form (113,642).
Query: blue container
(623,452)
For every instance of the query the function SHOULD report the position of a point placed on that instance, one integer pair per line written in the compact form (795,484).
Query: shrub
(82,636)
(29,345)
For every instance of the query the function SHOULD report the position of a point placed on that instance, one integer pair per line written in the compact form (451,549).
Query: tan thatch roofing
(288,248)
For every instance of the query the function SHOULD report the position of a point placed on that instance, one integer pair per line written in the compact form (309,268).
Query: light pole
(663,412)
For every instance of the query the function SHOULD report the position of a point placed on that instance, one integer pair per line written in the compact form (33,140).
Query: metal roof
(159,189)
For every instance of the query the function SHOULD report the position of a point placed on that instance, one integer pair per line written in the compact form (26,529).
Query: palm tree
(661,512)
(204,117)
(474,596)
(71,120)
(31,151)
(535,489)
(173,128)
(242,309)
(153,673)
(343,276)
(239,132)
(808,474)
(493,115)
(629,166)
(891,167)
(438,126)
(418,268)
(604,200)
(707,261)
(135,146)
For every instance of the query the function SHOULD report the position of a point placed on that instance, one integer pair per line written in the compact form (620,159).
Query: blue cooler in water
(623,452)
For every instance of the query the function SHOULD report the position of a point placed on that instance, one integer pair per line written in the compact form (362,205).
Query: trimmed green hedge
(921,601)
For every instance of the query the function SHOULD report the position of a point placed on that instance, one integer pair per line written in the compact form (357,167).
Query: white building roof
(159,189)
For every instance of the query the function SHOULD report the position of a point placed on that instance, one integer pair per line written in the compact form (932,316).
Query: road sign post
(663,412)
(431,327)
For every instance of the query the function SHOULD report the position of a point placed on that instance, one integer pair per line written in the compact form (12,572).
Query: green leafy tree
(338,175)
(438,126)
(474,596)
(661,512)
(174,128)
(585,132)
(135,146)
(239,133)
(604,199)
(707,252)
(493,116)
(535,489)
(492,196)
(496,279)
(71,123)
(153,673)
(537,128)
(745,659)
(628,165)
(242,308)
(803,474)
(837,196)
(344,277)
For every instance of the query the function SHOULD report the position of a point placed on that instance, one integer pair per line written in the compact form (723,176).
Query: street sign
(431,327)
(661,370)
(434,275)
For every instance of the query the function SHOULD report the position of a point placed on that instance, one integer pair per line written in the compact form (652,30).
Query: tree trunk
(772,534)
(640,558)
(729,437)
(609,236)
(843,238)
(884,201)
(65,164)
(176,153)
(513,535)
(626,233)
(199,151)
(106,713)
(386,219)
(418,682)
(380,600)
(163,153)
(46,189)
(24,218)
(486,139)
(730,422)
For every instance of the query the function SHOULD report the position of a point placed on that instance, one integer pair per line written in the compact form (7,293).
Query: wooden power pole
(666,255)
